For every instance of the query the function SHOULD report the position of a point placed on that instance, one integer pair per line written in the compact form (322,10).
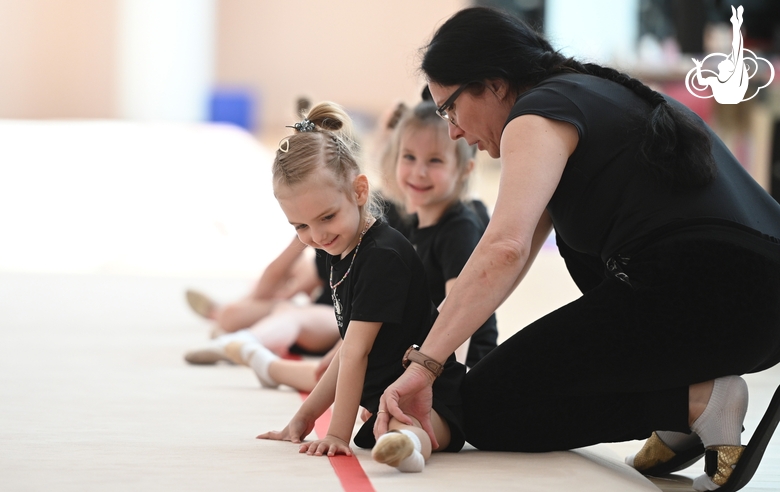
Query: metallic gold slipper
(719,462)
(747,457)
(657,459)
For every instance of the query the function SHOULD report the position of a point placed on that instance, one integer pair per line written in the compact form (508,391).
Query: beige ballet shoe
(392,448)
(233,353)
(208,355)
(217,332)
(200,303)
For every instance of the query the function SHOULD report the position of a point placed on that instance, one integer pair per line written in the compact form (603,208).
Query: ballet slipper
(200,303)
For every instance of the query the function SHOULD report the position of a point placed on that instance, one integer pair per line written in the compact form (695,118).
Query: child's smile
(323,215)
(427,171)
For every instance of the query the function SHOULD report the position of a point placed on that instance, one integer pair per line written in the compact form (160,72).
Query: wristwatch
(413,354)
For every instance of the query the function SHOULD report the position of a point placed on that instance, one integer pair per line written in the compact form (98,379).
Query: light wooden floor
(94,393)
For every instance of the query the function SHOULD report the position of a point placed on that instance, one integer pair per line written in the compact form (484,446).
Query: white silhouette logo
(730,84)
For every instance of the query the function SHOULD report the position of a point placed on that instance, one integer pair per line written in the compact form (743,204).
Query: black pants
(616,364)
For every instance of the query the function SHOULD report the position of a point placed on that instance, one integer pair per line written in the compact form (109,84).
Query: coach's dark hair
(479,43)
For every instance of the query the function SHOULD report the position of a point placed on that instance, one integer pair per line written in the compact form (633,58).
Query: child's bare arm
(315,405)
(278,270)
(352,361)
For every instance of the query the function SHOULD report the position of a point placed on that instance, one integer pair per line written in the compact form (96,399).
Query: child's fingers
(273,435)
(339,449)
(324,448)
(317,448)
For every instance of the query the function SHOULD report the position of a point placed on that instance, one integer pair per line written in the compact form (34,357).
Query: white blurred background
(116,150)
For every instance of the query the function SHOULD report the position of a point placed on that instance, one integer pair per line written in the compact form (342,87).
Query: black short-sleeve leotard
(321,261)
(444,248)
(387,284)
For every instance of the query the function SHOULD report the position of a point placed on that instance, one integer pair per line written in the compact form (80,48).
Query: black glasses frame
(442,110)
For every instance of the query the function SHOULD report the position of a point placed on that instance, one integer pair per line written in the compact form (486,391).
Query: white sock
(259,359)
(678,441)
(415,462)
(243,336)
(721,422)
(703,482)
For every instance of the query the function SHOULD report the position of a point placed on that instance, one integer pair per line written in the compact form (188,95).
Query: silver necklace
(333,287)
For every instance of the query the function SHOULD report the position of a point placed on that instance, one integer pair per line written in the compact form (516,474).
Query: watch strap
(413,354)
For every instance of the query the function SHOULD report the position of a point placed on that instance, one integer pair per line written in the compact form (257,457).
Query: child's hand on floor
(295,431)
(330,446)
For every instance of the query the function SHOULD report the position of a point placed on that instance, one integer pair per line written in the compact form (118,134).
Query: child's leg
(312,327)
(242,314)
(408,447)
(299,374)
(270,369)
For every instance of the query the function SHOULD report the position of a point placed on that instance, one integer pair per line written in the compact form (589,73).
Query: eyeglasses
(442,111)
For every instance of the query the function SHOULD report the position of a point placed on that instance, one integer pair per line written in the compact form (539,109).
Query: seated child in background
(430,174)
(270,315)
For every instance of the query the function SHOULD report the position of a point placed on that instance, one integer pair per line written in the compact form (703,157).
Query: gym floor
(94,392)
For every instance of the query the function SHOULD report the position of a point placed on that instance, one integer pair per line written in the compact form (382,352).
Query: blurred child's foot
(217,332)
(400,449)
(255,356)
(209,354)
(214,350)
(201,303)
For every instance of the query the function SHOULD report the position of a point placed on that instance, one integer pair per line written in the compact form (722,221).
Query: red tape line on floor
(348,470)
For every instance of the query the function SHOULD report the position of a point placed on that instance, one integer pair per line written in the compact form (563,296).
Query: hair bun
(329,116)
(327,123)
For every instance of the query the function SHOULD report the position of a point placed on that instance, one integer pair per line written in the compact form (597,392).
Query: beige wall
(359,53)
(57,58)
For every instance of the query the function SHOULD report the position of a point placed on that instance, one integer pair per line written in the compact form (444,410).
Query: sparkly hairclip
(303,126)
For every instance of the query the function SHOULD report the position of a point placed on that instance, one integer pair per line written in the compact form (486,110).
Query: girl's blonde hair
(422,116)
(324,139)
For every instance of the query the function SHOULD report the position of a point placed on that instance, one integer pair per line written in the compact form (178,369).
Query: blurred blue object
(234,106)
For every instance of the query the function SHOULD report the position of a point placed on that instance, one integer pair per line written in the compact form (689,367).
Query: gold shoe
(652,454)
(392,448)
(200,303)
(719,462)
(657,459)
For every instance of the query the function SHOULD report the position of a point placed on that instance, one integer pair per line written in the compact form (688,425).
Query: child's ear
(360,185)
(467,170)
